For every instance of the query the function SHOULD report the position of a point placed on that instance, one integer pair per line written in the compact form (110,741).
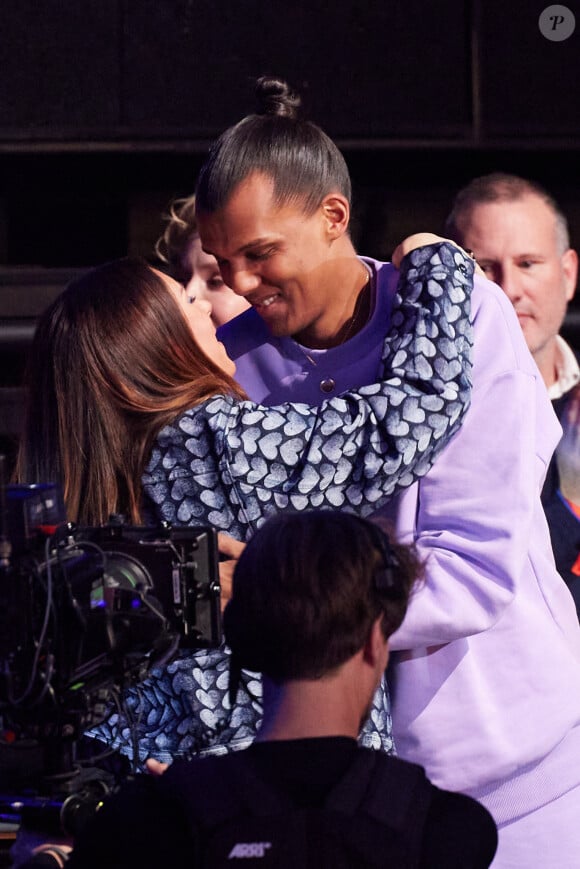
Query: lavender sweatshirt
(486,679)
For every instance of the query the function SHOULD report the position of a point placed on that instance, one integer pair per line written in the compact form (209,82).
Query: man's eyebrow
(255,242)
(263,239)
(525,255)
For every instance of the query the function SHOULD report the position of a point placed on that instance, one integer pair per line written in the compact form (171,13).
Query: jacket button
(327,385)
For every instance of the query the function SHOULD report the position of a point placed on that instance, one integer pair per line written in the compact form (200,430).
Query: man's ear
(336,210)
(570,269)
(376,648)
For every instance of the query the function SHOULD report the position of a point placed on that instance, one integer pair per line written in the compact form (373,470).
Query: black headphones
(384,579)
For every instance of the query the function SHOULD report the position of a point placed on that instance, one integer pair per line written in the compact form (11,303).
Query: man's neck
(566,371)
(547,358)
(351,307)
(305,709)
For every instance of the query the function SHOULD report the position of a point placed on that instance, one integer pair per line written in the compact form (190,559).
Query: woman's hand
(232,549)
(420,239)
(155,767)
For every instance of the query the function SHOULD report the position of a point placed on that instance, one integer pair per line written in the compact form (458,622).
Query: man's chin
(277,326)
(526,322)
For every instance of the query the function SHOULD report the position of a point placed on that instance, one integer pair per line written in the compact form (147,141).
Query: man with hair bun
(316,596)
(520,237)
(486,675)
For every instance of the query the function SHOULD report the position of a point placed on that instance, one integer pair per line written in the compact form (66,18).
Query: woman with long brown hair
(113,361)
(133,409)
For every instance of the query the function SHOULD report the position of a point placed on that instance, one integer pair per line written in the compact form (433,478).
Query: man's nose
(242,281)
(510,282)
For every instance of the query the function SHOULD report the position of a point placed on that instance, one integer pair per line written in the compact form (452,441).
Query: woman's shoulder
(194,420)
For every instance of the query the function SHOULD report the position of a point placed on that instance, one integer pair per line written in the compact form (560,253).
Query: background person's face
(517,246)
(206,282)
(198,316)
(277,258)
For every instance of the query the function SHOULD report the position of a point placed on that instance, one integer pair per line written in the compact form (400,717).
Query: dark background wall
(107,108)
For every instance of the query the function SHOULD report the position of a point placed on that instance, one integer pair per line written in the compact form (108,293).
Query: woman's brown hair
(113,360)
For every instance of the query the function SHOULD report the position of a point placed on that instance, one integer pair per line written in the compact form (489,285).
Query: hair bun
(276,97)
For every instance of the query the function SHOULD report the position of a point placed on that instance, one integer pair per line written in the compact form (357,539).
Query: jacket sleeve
(354,451)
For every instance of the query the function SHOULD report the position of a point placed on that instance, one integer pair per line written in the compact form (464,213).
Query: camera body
(84,610)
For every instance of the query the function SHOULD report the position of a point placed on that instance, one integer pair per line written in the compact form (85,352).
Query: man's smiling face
(276,257)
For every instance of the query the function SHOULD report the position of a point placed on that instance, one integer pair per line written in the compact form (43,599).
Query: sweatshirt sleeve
(354,451)
(477,519)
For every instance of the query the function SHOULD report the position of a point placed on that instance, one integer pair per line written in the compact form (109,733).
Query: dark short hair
(308,588)
(303,162)
(501,187)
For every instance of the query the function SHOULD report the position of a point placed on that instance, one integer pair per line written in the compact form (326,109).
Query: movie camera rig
(85,611)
